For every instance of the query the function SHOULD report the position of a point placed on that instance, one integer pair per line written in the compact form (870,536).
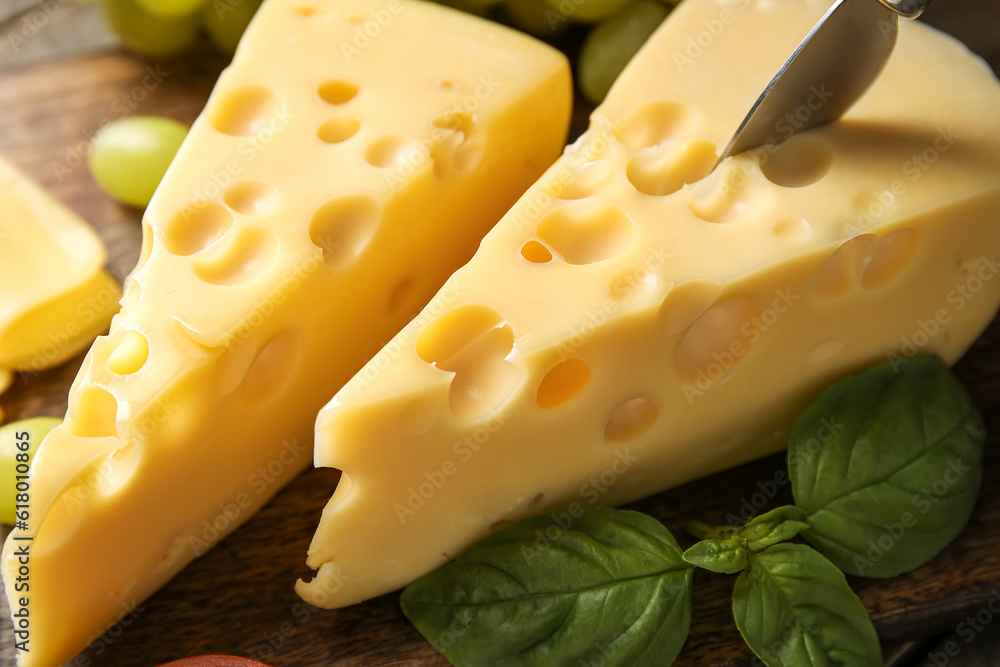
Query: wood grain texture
(237,599)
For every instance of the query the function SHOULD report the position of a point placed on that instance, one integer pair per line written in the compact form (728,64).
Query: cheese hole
(251,197)
(536,500)
(389,151)
(94,414)
(564,381)
(533,251)
(873,203)
(685,303)
(719,339)
(631,420)
(842,271)
(195,227)
(660,172)
(120,465)
(273,369)
(792,228)
(130,354)
(583,181)
(654,123)
(894,253)
(337,129)
(735,192)
(147,246)
(232,364)
(473,342)
(586,231)
(245,111)
(242,257)
(797,162)
(344,490)
(633,284)
(343,226)
(455,148)
(306,11)
(336,91)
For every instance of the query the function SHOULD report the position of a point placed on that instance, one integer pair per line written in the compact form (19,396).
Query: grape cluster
(160,28)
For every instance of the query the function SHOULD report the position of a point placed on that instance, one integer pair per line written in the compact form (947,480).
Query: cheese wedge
(638,319)
(350,158)
(55,296)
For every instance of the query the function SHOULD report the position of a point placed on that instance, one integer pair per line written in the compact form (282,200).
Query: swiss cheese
(659,320)
(55,296)
(349,159)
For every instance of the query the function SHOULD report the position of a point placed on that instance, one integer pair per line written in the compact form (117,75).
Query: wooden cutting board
(238,598)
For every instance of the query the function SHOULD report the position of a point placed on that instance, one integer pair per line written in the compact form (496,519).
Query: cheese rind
(658,320)
(349,159)
(55,296)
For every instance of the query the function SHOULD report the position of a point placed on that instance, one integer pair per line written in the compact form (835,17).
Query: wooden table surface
(60,84)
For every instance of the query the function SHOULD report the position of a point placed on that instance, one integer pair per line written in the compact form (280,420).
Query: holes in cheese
(655,123)
(95,414)
(245,111)
(792,228)
(389,151)
(685,303)
(719,339)
(195,227)
(841,273)
(586,231)
(583,181)
(307,11)
(455,148)
(663,171)
(564,381)
(130,354)
(535,252)
(631,420)
(120,465)
(251,197)
(337,91)
(232,364)
(239,258)
(799,161)
(473,342)
(338,129)
(272,370)
(735,192)
(342,226)
(894,252)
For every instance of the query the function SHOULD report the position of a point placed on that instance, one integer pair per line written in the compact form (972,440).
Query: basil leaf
(605,585)
(794,607)
(722,555)
(778,525)
(887,465)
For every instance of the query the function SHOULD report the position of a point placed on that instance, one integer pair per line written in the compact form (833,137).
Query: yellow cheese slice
(55,296)
(351,157)
(635,321)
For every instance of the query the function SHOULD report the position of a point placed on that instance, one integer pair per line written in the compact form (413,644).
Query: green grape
(535,16)
(129,157)
(225,21)
(587,11)
(147,33)
(37,429)
(171,8)
(610,46)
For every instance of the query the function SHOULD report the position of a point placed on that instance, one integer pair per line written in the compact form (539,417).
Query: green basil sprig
(726,549)
(794,607)
(611,586)
(886,464)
